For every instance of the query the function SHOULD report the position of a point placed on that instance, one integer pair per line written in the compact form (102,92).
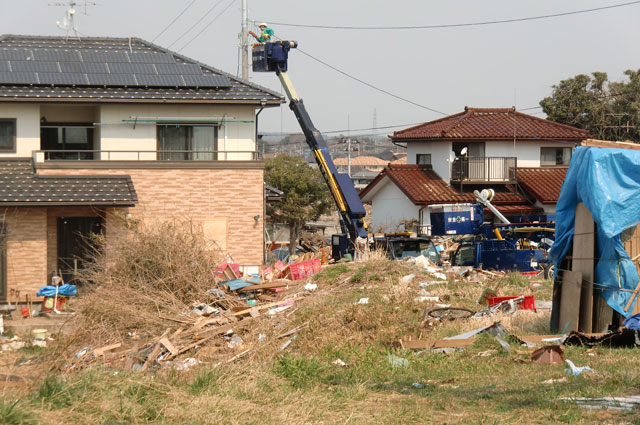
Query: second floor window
(67,141)
(423,159)
(550,156)
(177,142)
(7,135)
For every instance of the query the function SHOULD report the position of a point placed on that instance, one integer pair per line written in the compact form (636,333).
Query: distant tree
(306,195)
(608,110)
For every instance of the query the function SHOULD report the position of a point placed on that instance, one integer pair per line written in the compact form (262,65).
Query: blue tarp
(65,290)
(608,182)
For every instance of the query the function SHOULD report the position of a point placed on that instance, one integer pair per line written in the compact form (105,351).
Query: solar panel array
(121,68)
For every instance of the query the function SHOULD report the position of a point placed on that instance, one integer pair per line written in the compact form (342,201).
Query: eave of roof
(20,186)
(542,183)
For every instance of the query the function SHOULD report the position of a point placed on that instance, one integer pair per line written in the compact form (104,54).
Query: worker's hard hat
(263,24)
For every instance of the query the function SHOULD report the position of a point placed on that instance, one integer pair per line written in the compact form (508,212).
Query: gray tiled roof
(20,186)
(97,69)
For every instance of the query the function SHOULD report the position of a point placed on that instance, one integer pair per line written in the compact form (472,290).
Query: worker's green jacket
(267,35)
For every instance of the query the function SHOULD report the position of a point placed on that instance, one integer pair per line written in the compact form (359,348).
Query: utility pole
(245,41)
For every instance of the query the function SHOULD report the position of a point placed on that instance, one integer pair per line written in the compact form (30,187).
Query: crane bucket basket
(271,57)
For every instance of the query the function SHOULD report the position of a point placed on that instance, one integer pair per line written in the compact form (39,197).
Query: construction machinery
(517,246)
(272,57)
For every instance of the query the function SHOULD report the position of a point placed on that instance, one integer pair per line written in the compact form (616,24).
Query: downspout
(263,103)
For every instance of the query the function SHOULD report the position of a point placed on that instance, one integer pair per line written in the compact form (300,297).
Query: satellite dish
(463,151)
(452,156)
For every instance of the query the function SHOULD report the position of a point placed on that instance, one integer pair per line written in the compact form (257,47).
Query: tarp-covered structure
(607,181)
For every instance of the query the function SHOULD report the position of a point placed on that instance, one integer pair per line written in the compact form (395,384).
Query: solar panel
(206,81)
(60,78)
(18,78)
(35,66)
(111,56)
(159,80)
(178,69)
(4,66)
(16,54)
(84,67)
(151,57)
(131,68)
(119,80)
(56,55)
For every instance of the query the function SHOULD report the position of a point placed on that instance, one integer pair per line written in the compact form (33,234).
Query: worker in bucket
(265,35)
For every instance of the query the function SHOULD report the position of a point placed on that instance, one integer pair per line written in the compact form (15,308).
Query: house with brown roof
(523,158)
(98,132)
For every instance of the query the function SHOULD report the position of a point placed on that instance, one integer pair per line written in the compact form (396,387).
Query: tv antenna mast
(68,23)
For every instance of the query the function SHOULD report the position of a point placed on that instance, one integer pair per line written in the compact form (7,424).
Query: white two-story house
(523,158)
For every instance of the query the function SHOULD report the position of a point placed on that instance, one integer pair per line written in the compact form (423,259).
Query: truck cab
(499,255)
(401,247)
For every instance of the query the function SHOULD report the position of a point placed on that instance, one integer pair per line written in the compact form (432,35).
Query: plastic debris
(339,362)
(82,352)
(633,322)
(310,287)
(235,341)
(611,403)
(204,310)
(576,370)
(186,364)
(431,299)
(417,385)
(408,278)
(261,337)
(397,362)
(217,292)
(363,301)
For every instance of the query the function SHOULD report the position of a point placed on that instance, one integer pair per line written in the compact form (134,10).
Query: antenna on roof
(68,23)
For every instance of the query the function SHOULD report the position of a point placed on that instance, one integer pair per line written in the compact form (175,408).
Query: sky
(443,69)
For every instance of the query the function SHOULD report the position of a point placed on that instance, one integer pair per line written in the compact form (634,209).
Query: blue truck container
(456,219)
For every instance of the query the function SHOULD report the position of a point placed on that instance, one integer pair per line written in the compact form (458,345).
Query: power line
(174,20)
(469,24)
(208,25)
(370,85)
(194,25)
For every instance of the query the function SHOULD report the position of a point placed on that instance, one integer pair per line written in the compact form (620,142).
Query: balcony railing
(484,169)
(122,155)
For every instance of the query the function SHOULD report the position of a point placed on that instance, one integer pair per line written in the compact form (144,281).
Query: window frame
(427,155)
(75,149)
(163,153)
(14,147)
(555,148)
(3,259)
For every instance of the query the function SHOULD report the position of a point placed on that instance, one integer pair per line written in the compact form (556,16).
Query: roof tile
(490,123)
(542,183)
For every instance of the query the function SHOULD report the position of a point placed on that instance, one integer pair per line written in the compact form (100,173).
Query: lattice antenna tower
(68,23)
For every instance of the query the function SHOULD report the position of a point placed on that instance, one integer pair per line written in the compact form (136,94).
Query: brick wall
(219,196)
(26,250)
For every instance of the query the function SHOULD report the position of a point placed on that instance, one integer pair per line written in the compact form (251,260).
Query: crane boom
(272,57)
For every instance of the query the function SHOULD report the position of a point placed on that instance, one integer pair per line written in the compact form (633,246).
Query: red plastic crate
(529,302)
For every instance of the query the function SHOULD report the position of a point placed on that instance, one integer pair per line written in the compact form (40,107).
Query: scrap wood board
(570,300)
(632,246)
(583,261)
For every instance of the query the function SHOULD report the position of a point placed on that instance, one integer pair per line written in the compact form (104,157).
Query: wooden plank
(168,345)
(100,351)
(277,284)
(605,144)
(632,246)
(570,301)
(583,261)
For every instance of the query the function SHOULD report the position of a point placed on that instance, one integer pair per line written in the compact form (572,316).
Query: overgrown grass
(480,384)
(13,412)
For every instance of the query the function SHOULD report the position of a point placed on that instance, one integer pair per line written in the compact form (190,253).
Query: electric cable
(370,85)
(469,24)
(208,25)
(194,25)
(174,20)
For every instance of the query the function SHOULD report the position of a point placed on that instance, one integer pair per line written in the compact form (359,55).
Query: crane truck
(272,57)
